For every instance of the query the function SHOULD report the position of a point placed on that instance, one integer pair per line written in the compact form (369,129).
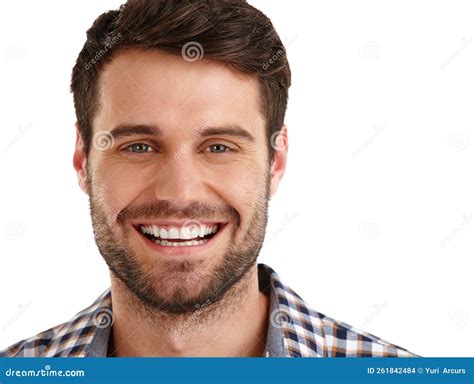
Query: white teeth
(181,244)
(173,233)
(185,233)
(146,230)
(210,229)
(195,231)
(163,233)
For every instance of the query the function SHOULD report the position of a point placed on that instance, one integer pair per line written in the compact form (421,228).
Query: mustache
(166,210)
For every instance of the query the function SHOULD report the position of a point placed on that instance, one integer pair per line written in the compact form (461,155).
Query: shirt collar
(295,330)
(87,334)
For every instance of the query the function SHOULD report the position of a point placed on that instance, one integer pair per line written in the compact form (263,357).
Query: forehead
(163,89)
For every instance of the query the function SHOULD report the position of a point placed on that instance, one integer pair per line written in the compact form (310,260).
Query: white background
(372,224)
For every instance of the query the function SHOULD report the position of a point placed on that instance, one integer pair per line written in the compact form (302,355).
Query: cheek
(240,188)
(117,185)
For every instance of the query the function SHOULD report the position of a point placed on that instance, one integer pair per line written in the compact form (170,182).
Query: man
(180,145)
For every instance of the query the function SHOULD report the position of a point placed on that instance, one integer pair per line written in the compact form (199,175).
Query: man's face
(179,151)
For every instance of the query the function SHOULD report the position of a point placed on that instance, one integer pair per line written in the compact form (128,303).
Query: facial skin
(181,175)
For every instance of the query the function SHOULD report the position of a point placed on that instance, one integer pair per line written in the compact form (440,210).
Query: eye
(219,148)
(139,148)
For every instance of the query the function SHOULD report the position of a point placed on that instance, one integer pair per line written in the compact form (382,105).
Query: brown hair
(230,31)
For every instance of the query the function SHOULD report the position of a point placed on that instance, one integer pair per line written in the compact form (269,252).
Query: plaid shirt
(304,332)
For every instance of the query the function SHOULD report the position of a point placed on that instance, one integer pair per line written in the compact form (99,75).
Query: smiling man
(180,145)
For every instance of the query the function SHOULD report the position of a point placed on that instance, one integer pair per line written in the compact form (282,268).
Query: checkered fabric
(306,333)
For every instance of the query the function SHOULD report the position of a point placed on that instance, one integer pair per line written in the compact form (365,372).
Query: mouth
(193,235)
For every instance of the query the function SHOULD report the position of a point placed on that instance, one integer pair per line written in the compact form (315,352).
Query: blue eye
(139,148)
(219,148)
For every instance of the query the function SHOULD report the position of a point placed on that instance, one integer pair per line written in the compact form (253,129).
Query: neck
(234,326)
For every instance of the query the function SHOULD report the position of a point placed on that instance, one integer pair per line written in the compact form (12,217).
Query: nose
(179,182)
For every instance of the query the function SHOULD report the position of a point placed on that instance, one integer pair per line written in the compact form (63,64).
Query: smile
(185,236)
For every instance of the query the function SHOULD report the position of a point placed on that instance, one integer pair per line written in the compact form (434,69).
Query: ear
(80,162)
(279,141)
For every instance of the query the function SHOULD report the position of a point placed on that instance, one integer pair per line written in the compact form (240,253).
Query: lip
(181,250)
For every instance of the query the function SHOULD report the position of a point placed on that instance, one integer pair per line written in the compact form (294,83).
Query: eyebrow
(125,130)
(232,130)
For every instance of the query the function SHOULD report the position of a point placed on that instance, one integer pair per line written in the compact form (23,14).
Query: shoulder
(34,346)
(333,338)
(308,332)
(71,338)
